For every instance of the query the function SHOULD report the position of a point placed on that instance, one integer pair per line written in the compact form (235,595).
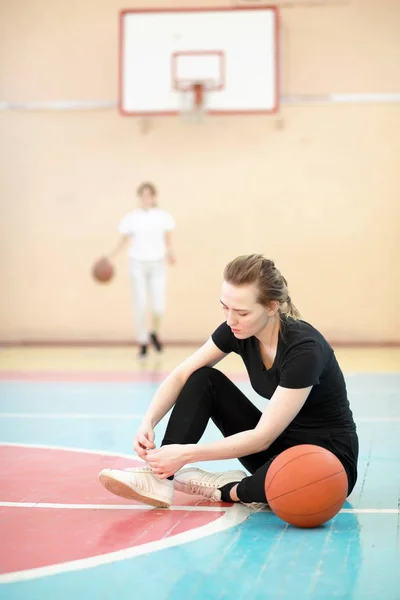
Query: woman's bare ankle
(233,494)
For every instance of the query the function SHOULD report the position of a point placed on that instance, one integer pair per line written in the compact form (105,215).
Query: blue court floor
(64,538)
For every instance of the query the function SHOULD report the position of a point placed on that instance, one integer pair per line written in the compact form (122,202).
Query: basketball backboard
(225,59)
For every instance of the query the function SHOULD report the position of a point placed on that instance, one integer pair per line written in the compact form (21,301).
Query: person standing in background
(148,231)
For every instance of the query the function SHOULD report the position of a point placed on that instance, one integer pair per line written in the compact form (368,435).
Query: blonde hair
(271,284)
(147,185)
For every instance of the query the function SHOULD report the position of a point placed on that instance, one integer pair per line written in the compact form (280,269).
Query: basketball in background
(102,270)
(306,485)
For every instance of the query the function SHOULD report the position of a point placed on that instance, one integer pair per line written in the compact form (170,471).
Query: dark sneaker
(156,342)
(142,351)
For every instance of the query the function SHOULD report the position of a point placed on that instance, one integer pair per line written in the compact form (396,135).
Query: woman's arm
(279,413)
(170,253)
(123,241)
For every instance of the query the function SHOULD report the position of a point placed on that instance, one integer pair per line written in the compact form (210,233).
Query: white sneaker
(139,484)
(193,480)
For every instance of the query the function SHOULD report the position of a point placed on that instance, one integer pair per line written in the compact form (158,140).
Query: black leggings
(208,393)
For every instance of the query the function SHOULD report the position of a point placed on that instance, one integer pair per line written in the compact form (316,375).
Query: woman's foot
(142,352)
(139,484)
(193,480)
(156,342)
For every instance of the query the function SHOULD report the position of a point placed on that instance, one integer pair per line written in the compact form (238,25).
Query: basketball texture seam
(284,512)
(296,458)
(307,485)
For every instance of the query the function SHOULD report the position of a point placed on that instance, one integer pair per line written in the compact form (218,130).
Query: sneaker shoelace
(139,470)
(206,486)
(145,484)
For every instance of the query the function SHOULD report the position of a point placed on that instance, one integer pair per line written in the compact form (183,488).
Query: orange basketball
(102,270)
(306,485)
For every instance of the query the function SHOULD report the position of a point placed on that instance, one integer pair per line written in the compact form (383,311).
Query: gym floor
(66,413)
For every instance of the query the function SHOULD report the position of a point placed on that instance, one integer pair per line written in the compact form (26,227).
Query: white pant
(147,276)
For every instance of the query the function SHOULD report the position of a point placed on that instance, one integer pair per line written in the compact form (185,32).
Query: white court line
(371,511)
(232,517)
(94,416)
(68,449)
(118,416)
(217,508)
(6,415)
(377,419)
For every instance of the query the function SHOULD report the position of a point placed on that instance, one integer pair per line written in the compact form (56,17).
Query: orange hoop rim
(188,85)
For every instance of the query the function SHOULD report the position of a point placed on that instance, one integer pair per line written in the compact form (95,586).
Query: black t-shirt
(303,358)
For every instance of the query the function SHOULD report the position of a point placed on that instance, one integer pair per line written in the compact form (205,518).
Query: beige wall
(319,194)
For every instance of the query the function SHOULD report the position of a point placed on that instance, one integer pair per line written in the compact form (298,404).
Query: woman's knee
(208,374)
(200,375)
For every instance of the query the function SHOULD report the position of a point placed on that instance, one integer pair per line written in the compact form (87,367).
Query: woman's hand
(166,461)
(171,258)
(144,440)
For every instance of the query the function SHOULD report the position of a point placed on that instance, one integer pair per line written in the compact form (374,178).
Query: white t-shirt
(147,228)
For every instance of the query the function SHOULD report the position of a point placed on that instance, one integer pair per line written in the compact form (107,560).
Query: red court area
(35,537)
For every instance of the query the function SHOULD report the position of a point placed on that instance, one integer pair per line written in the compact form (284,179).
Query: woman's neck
(268,337)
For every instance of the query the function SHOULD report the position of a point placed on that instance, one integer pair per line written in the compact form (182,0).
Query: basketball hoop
(193,102)
(199,66)
(194,75)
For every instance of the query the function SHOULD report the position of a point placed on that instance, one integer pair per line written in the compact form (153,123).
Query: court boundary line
(142,507)
(125,416)
(73,449)
(196,508)
(231,516)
